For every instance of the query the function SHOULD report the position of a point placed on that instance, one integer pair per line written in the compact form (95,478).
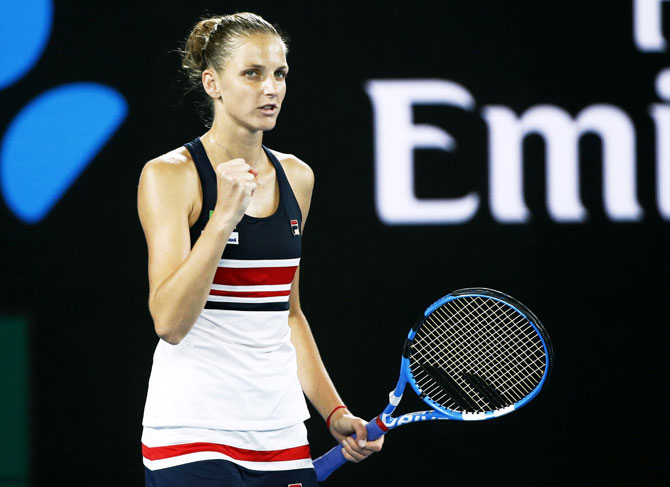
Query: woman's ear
(210,81)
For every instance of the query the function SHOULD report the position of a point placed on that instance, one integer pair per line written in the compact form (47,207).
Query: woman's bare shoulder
(299,174)
(170,181)
(176,163)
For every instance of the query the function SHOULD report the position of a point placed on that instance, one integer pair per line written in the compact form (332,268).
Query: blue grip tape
(334,459)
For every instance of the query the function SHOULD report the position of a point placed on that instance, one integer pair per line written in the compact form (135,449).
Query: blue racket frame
(379,426)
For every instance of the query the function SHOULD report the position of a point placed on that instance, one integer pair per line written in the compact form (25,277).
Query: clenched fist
(236,183)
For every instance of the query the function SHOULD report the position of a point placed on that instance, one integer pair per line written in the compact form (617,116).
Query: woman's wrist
(221,225)
(330,416)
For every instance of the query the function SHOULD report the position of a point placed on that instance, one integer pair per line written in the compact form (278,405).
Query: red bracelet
(332,412)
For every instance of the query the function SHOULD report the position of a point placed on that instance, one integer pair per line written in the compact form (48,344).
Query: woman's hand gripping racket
(475,354)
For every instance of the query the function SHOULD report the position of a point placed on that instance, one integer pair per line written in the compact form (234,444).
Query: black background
(598,286)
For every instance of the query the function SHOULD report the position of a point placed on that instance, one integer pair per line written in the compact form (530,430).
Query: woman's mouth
(268,109)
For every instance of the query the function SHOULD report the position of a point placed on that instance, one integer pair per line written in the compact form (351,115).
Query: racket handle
(334,459)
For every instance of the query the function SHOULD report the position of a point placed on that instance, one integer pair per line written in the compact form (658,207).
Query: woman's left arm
(314,379)
(319,389)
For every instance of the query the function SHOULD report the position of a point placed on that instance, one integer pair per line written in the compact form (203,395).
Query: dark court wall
(545,132)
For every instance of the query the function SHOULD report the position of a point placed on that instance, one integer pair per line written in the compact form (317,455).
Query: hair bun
(194,57)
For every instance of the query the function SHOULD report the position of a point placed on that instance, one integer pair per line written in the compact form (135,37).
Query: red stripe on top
(250,294)
(258,276)
(162,452)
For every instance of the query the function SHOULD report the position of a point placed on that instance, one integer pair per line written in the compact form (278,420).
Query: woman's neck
(227,143)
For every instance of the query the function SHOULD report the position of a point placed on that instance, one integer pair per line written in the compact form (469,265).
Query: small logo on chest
(295,229)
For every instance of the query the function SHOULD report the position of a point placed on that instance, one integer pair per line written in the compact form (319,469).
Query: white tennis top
(234,370)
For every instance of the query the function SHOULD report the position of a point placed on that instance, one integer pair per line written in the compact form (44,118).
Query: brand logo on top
(295,228)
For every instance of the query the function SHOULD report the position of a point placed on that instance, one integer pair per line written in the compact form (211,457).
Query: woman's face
(253,82)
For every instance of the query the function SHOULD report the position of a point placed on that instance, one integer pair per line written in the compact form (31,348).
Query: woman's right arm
(180,277)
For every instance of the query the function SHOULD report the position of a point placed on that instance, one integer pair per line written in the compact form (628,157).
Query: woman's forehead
(259,49)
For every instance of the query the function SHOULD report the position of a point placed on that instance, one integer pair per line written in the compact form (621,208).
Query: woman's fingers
(353,452)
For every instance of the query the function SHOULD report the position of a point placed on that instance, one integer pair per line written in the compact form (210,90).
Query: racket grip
(334,459)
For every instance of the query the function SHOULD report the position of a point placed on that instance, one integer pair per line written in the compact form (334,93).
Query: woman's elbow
(168,334)
(166,329)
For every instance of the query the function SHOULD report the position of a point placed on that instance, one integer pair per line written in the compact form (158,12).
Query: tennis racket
(475,354)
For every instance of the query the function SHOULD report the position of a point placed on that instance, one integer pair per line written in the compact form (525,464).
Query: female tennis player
(223,218)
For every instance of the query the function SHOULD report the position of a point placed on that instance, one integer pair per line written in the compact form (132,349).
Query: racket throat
(394,400)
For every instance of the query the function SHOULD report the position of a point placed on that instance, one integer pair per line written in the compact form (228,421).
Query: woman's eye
(251,73)
(280,74)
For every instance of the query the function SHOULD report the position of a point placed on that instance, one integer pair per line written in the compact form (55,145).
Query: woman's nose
(270,86)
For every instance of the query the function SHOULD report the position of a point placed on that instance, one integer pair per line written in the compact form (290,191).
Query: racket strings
(518,349)
(473,379)
(471,342)
(472,382)
(498,364)
(473,385)
(477,354)
(476,341)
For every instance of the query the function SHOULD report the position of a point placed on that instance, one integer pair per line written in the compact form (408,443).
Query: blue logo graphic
(25,26)
(56,135)
(51,141)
